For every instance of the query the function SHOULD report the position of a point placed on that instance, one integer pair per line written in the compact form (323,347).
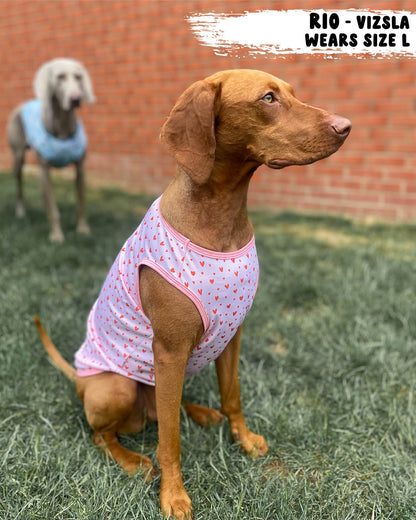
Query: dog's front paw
(176,504)
(56,236)
(83,228)
(20,210)
(254,445)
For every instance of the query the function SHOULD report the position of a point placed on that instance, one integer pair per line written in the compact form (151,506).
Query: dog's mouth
(278,164)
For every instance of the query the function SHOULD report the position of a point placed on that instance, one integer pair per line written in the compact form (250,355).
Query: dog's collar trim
(201,250)
(58,152)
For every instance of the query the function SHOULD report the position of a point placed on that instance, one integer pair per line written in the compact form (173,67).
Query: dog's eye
(62,76)
(269,98)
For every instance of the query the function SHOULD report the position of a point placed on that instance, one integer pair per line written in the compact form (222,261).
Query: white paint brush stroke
(283,33)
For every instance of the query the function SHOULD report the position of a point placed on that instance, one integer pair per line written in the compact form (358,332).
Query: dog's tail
(53,353)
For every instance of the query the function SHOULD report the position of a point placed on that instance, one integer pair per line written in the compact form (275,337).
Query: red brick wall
(141,55)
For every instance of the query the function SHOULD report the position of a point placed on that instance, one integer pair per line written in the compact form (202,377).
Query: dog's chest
(221,285)
(58,152)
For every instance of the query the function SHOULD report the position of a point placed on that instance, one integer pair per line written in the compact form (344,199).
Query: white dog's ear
(42,82)
(87,86)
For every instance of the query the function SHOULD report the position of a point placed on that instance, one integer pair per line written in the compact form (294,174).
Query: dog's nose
(341,126)
(75,101)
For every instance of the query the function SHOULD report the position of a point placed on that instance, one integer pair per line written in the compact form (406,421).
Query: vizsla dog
(177,294)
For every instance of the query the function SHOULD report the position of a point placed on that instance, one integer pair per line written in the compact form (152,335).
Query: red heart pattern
(221,285)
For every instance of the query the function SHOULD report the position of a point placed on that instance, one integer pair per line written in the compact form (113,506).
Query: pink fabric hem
(169,278)
(93,372)
(85,372)
(201,250)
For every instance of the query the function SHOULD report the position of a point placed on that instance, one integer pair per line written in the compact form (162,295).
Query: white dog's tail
(53,353)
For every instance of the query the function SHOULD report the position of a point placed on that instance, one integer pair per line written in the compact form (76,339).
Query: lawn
(327,373)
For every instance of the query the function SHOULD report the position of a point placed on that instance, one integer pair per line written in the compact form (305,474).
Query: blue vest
(58,152)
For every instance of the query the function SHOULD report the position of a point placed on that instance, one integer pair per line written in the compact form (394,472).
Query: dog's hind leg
(203,415)
(18,162)
(130,461)
(115,405)
(18,146)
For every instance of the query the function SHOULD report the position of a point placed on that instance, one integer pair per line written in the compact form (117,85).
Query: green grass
(327,374)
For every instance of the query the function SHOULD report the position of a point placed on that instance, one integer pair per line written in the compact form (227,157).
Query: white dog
(49,125)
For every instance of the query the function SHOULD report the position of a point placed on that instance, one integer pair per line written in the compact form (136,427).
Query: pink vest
(221,285)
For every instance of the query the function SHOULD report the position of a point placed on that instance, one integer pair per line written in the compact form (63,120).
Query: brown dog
(219,132)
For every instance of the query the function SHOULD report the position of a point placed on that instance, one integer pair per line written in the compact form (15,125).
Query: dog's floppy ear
(42,82)
(88,93)
(189,132)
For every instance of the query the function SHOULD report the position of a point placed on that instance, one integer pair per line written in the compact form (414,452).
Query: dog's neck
(212,215)
(57,121)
